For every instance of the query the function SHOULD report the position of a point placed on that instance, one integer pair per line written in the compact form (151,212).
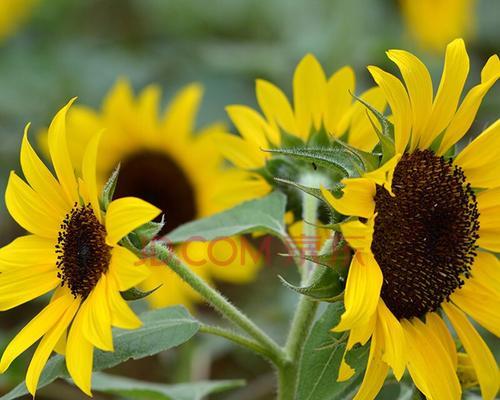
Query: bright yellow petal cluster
(426,347)
(70,323)
(319,103)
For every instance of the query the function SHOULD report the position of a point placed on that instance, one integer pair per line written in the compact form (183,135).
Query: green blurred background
(80,48)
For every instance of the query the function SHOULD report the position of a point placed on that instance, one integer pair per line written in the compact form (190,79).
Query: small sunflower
(424,228)
(164,161)
(320,105)
(434,23)
(12,14)
(71,250)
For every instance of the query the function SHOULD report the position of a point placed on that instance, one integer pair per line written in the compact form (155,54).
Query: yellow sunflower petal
(121,314)
(126,268)
(339,90)
(359,235)
(480,302)
(455,71)
(41,179)
(489,219)
(26,251)
(96,320)
(357,199)
(362,292)
(398,100)
(27,208)
(361,133)
(59,154)
(419,85)
(79,356)
(437,325)
(478,351)
(392,340)
(34,330)
(46,346)
(181,113)
(309,95)
(89,166)
(383,176)
(467,111)
(376,371)
(276,107)
(239,153)
(359,334)
(250,125)
(430,366)
(480,164)
(485,271)
(20,286)
(126,214)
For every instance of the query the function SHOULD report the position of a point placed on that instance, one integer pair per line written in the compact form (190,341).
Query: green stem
(218,302)
(304,314)
(236,338)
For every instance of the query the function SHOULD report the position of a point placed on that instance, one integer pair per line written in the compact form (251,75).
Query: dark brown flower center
(158,179)
(425,235)
(82,253)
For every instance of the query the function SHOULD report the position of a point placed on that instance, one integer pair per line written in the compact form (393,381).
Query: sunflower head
(422,229)
(73,250)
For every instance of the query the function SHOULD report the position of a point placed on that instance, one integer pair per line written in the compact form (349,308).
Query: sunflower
(164,161)
(434,23)
(72,251)
(12,15)
(319,105)
(424,228)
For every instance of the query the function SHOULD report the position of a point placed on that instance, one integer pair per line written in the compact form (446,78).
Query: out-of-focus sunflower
(164,161)
(434,23)
(321,105)
(71,249)
(12,14)
(420,219)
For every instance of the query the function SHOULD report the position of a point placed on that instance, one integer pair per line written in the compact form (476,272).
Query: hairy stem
(218,301)
(236,338)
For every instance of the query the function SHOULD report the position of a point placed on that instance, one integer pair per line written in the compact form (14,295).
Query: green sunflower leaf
(262,215)
(135,389)
(162,329)
(323,353)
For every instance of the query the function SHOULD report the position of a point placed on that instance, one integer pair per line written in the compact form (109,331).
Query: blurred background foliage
(62,49)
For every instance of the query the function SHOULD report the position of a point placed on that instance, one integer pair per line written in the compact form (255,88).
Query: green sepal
(136,294)
(149,231)
(369,161)
(109,189)
(326,287)
(386,136)
(335,159)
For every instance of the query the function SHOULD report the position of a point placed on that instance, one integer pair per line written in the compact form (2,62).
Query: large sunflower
(319,105)
(72,249)
(424,228)
(166,162)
